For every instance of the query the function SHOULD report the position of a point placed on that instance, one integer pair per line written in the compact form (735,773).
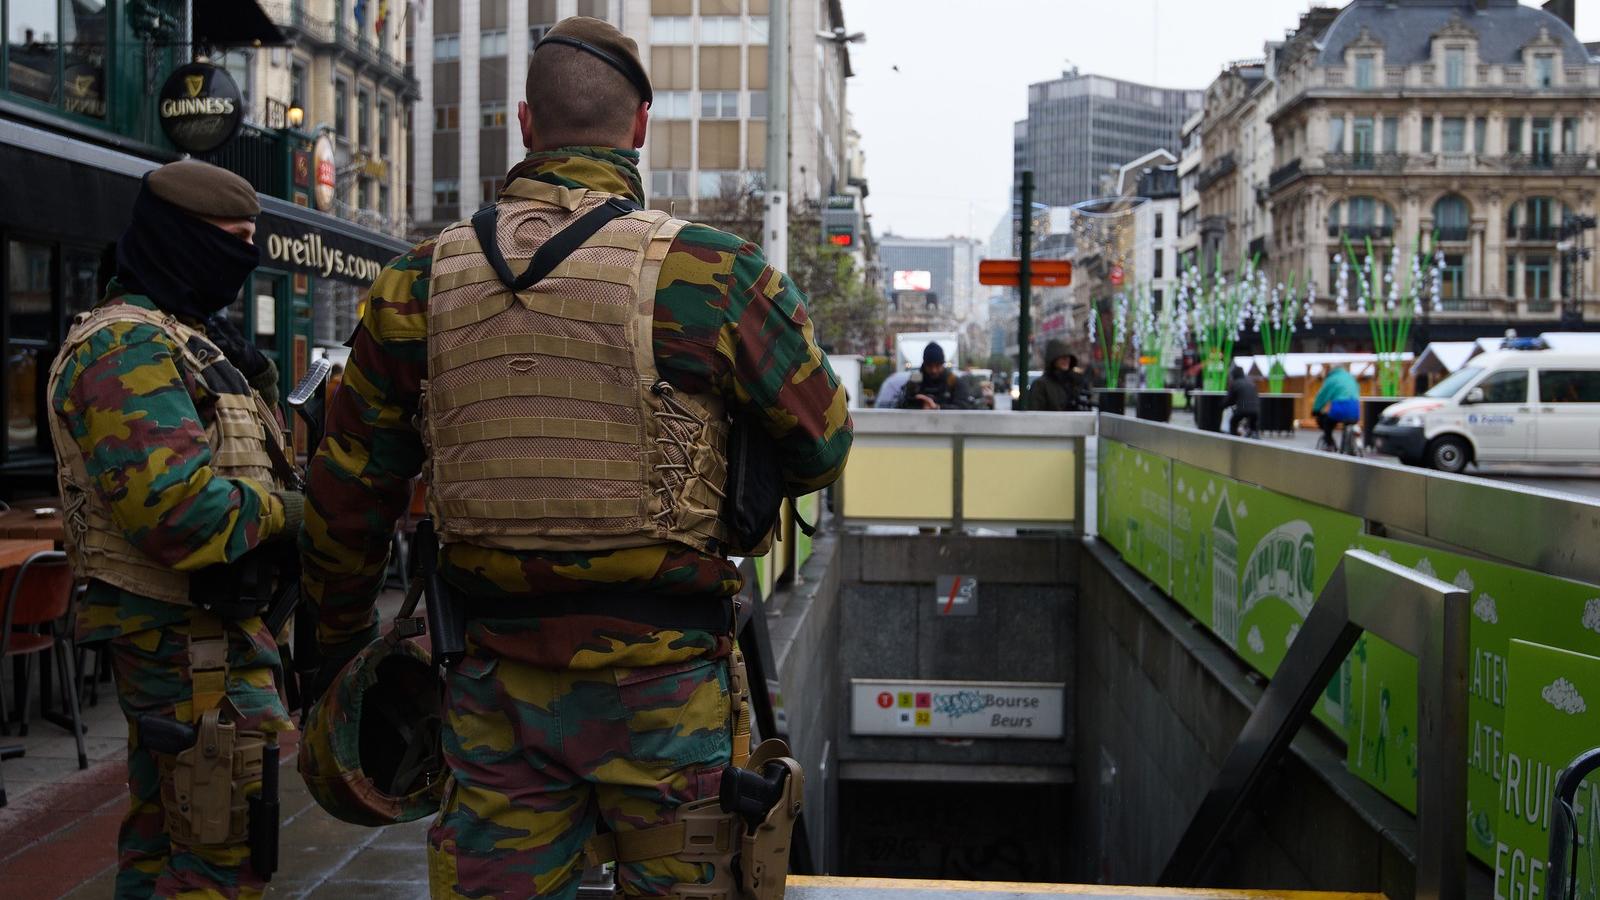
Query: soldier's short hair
(578,99)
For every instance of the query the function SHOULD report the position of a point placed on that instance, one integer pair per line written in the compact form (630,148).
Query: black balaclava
(188,266)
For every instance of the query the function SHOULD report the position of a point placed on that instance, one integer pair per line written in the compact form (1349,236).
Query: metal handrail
(1423,616)
(1535,529)
(1560,884)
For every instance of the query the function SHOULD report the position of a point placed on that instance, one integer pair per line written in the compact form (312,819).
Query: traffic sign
(1008,272)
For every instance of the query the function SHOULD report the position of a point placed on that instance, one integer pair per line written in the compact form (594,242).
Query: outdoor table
(15,553)
(23,520)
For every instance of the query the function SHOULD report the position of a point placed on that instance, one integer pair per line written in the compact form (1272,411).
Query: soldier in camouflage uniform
(163,444)
(564,714)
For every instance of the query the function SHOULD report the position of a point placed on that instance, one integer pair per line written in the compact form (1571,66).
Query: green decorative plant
(1156,333)
(1111,336)
(1216,310)
(1279,313)
(1390,297)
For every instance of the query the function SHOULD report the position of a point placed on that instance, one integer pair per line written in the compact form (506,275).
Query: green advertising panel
(1507,603)
(1553,715)
(1135,494)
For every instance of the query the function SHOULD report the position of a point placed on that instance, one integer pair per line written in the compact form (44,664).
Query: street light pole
(1025,289)
(775,214)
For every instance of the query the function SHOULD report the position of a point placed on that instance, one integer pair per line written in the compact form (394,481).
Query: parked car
(1504,406)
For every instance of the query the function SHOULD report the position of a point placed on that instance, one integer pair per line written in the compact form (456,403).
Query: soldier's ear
(641,124)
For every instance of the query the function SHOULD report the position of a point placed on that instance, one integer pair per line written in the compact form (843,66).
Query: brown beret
(600,38)
(201,189)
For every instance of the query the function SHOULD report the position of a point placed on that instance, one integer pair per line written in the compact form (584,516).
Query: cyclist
(1338,402)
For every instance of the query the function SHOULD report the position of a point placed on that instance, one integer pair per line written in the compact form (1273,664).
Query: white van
(1503,406)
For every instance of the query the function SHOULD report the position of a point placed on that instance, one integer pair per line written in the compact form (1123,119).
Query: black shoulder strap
(558,248)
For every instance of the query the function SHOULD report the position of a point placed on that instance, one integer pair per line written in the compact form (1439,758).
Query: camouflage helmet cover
(370,751)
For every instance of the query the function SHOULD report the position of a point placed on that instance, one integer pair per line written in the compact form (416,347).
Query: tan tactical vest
(548,427)
(241,427)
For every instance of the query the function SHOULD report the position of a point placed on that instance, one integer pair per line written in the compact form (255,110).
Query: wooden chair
(37,617)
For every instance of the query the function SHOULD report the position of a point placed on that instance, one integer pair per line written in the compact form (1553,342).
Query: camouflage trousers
(152,673)
(538,756)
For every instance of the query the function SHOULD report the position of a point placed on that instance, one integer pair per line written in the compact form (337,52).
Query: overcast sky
(937,132)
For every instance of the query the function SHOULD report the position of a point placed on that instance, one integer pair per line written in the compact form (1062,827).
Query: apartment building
(708,66)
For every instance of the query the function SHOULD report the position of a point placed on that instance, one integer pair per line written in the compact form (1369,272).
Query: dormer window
(1366,64)
(1544,70)
(1455,67)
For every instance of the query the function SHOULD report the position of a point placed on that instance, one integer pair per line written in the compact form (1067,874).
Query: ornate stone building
(1470,120)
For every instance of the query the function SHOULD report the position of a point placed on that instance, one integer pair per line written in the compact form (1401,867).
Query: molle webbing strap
(576,269)
(739,708)
(542,344)
(553,253)
(523,467)
(208,662)
(543,508)
(537,427)
(644,348)
(533,386)
(556,305)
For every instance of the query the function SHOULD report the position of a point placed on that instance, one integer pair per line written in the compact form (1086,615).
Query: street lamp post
(1574,253)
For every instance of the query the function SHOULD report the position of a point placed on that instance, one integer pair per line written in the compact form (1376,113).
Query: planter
(1208,409)
(1371,411)
(1277,413)
(1154,406)
(1111,400)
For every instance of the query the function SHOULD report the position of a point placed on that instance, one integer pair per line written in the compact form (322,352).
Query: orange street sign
(1008,272)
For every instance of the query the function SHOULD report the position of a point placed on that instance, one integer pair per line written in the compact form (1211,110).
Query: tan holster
(704,833)
(205,790)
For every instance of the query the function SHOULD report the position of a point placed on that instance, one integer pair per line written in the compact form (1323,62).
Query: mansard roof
(1407,28)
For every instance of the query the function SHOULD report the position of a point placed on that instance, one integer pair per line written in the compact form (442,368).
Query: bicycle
(1348,445)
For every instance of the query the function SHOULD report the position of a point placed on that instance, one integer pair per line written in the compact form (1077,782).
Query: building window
(758,30)
(1453,277)
(758,104)
(1514,134)
(1336,134)
(494,114)
(1480,134)
(669,183)
(1541,219)
(383,129)
(383,199)
(720,30)
(1365,64)
(1157,269)
(1450,218)
(241,65)
(1569,135)
(491,189)
(363,119)
(536,34)
(364,193)
(1543,145)
(671,30)
(56,54)
(716,184)
(1536,277)
(1158,229)
(1391,134)
(446,118)
(341,108)
(446,47)
(1453,135)
(719,104)
(1544,70)
(446,192)
(1511,276)
(670,105)
(491,44)
(1427,134)
(1455,67)
(1362,140)
(297,84)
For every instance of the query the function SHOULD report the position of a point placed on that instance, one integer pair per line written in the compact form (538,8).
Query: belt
(697,613)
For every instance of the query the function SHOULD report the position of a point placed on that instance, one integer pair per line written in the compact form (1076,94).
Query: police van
(1503,406)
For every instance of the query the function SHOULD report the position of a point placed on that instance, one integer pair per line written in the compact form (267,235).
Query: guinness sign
(200,108)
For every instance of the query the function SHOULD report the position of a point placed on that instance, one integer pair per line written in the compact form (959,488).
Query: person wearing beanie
(572,341)
(173,472)
(1062,388)
(933,385)
(1245,398)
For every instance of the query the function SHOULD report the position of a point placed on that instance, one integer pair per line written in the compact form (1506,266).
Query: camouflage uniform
(555,721)
(139,418)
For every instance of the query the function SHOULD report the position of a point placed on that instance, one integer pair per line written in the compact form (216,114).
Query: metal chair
(38,599)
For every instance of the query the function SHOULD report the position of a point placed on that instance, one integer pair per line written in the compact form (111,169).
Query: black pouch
(755,490)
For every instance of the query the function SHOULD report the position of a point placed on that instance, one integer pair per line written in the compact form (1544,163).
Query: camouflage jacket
(140,419)
(725,322)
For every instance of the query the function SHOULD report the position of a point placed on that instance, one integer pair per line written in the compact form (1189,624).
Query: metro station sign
(1041,273)
(988,709)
